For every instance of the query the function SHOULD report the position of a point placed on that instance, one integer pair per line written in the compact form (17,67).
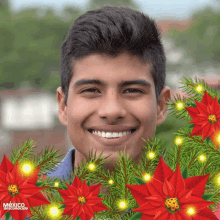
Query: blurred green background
(30,41)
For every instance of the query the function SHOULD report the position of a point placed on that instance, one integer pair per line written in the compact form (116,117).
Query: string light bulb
(218,180)
(191,211)
(27,168)
(202,158)
(151,155)
(53,211)
(179,105)
(91,166)
(56,184)
(147,177)
(122,205)
(199,88)
(110,181)
(178,140)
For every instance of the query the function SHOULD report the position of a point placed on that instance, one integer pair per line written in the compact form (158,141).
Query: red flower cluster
(206,117)
(167,196)
(14,188)
(82,200)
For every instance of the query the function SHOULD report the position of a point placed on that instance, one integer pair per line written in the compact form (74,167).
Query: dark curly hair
(113,30)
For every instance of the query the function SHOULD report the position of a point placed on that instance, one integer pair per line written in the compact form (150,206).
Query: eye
(132,90)
(91,90)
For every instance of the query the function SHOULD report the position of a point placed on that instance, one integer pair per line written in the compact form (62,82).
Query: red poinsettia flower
(167,196)
(18,190)
(206,117)
(82,200)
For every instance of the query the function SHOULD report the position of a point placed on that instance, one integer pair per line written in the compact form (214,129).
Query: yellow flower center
(13,190)
(81,200)
(172,204)
(212,119)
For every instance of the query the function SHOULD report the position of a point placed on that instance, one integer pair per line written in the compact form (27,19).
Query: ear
(163,100)
(62,108)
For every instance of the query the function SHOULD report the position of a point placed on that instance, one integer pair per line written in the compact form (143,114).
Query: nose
(112,108)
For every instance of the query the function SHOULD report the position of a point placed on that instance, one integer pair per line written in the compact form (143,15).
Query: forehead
(121,67)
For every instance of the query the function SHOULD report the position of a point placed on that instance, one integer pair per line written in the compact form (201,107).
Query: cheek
(144,111)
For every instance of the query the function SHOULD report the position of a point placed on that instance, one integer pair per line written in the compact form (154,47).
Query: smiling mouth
(111,135)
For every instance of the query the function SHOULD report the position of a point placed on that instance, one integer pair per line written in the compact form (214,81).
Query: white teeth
(115,134)
(111,134)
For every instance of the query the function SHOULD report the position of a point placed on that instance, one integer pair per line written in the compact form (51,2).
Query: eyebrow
(122,84)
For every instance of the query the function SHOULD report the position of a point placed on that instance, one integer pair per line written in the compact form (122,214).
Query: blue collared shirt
(65,166)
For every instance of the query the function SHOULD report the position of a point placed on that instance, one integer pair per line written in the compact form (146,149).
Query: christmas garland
(182,183)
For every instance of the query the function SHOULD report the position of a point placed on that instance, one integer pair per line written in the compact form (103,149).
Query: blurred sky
(154,8)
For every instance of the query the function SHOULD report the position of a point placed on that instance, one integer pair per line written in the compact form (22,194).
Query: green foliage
(21,153)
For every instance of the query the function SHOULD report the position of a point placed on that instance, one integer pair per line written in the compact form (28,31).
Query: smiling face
(111,104)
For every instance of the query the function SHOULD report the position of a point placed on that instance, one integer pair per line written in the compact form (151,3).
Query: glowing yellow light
(179,105)
(218,180)
(110,181)
(26,168)
(178,140)
(91,166)
(147,177)
(56,184)
(191,211)
(54,211)
(199,88)
(218,138)
(202,157)
(122,205)
(151,155)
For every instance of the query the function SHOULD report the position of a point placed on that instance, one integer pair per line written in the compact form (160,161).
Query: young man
(112,90)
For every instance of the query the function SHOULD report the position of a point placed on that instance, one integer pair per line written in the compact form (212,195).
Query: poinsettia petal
(139,192)
(161,214)
(162,171)
(88,210)
(197,183)
(206,99)
(193,111)
(197,130)
(199,203)
(207,131)
(183,214)
(68,210)
(77,211)
(147,217)
(200,120)
(168,189)
(206,214)
(76,182)
(147,208)
(18,214)
(154,187)
(6,165)
(184,195)
(33,178)
(84,216)
(154,200)
(177,181)
(99,207)
(175,217)
(201,108)
(93,200)
(72,190)
(37,199)
(95,189)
